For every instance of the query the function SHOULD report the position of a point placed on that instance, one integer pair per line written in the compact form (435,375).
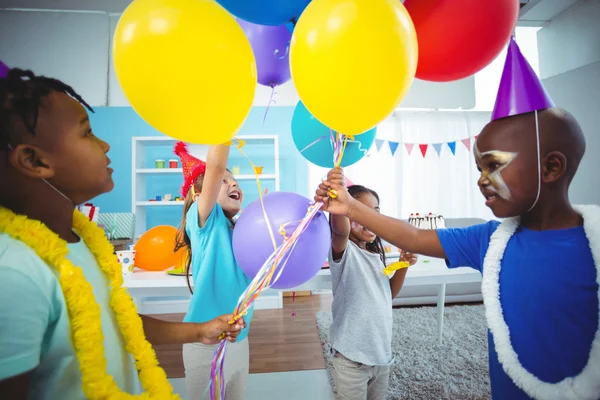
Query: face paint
(503,159)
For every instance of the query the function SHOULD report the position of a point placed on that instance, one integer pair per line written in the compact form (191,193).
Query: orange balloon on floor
(155,249)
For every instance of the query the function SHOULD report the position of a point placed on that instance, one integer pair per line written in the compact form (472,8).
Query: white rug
(424,369)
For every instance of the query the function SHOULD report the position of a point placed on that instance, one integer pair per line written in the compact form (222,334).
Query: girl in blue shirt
(212,199)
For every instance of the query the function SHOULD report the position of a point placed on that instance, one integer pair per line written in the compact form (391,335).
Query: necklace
(84,312)
(586,385)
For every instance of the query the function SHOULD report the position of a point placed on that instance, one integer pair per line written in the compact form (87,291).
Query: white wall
(70,46)
(75,47)
(569,51)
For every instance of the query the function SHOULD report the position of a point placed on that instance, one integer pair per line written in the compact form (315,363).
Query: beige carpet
(424,369)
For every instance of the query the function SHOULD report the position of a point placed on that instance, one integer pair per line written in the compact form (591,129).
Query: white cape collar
(586,385)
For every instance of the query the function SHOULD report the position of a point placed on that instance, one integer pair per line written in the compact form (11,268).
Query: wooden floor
(279,342)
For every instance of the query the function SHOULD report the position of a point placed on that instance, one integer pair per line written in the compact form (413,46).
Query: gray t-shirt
(362,307)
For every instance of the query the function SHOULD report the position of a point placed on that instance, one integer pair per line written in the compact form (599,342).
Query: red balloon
(458,38)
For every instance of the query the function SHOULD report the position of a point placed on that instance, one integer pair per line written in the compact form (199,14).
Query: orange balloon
(155,249)
(181,257)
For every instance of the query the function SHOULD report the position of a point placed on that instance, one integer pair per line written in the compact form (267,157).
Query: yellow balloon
(352,61)
(186,67)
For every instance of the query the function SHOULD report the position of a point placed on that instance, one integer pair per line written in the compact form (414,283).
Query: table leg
(440,310)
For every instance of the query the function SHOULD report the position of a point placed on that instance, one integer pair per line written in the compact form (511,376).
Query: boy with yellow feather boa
(69,329)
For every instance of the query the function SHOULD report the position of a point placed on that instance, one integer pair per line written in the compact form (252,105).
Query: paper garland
(424,147)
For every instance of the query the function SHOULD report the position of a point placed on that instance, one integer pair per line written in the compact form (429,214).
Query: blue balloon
(290,26)
(265,12)
(306,129)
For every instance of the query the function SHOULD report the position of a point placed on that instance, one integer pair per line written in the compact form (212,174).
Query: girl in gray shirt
(361,332)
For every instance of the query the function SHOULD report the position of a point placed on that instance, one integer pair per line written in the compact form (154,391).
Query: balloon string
(271,101)
(239,145)
(312,144)
(268,274)
(359,144)
(293,306)
(287,51)
(272,268)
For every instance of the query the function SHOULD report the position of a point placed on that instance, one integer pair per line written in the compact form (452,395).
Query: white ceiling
(540,12)
(533,12)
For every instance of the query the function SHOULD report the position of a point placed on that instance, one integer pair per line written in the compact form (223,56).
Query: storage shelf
(163,141)
(146,180)
(159,170)
(150,171)
(158,203)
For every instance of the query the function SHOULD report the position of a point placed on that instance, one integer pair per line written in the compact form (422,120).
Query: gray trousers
(356,381)
(197,359)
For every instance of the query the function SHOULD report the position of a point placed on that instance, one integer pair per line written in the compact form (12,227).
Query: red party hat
(192,167)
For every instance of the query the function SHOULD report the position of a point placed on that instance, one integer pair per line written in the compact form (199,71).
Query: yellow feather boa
(84,312)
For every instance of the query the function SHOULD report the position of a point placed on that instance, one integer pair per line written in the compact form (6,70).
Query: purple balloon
(3,70)
(271,45)
(252,243)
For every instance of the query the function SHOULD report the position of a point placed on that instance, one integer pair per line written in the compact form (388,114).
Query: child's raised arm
(216,164)
(340,224)
(394,231)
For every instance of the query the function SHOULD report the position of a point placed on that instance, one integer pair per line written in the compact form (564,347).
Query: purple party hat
(520,89)
(3,70)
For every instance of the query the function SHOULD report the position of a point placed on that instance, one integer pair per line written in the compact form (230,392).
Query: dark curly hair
(21,94)
(376,246)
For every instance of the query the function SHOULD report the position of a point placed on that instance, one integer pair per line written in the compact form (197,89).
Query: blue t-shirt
(35,331)
(549,298)
(218,279)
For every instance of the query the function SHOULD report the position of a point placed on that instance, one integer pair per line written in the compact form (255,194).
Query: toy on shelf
(173,163)
(235,170)
(159,163)
(90,211)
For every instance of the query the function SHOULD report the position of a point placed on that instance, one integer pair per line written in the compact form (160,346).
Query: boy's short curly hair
(21,94)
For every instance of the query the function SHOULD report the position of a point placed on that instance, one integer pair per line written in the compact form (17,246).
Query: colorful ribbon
(271,101)
(271,270)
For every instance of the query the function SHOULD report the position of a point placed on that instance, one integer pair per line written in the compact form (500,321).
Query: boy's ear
(30,161)
(554,166)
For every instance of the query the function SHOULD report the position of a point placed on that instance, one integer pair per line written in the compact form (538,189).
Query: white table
(427,271)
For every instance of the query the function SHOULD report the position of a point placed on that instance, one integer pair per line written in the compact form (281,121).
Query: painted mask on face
(491,164)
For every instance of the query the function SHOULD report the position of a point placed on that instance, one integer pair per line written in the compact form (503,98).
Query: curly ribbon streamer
(313,143)
(241,143)
(271,270)
(287,51)
(271,101)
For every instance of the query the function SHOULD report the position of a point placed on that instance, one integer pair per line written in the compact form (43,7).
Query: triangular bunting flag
(393,147)
(437,147)
(476,137)
(423,148)
(409,147)
(379,143)
(452,146)
(467,143)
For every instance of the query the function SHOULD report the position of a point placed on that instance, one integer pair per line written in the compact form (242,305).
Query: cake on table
(429,221)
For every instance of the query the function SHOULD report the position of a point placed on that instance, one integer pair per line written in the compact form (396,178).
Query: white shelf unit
(140,170)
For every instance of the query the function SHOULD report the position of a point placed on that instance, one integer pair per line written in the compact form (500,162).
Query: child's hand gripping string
(333,194)
(232,319)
